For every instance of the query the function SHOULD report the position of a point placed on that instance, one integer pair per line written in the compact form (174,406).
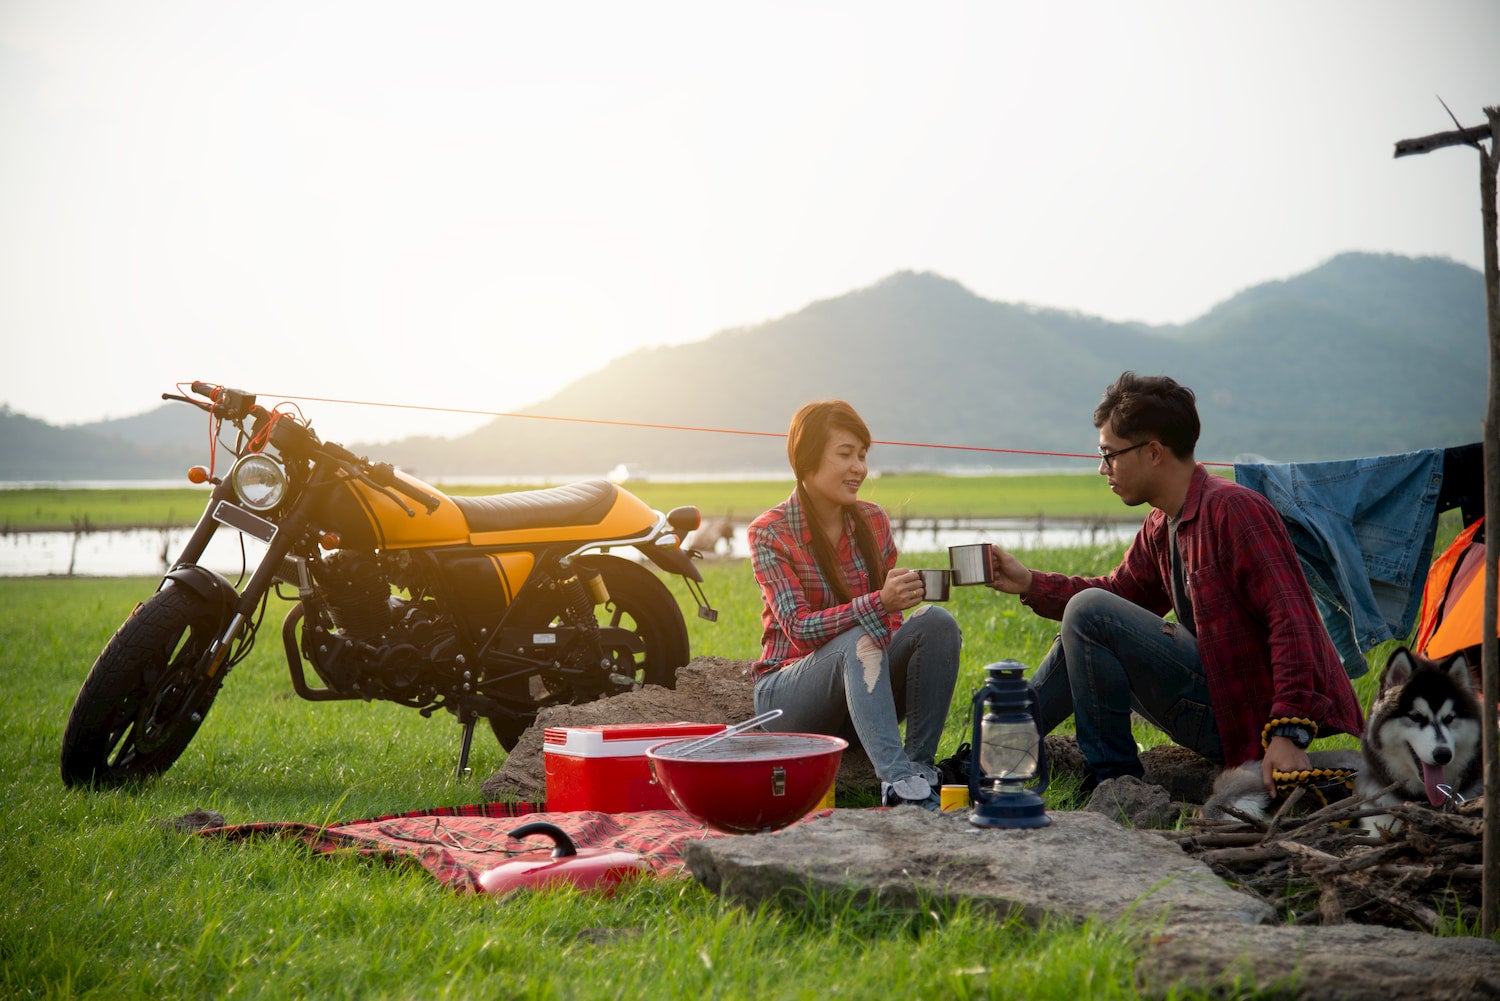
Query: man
(1246,671)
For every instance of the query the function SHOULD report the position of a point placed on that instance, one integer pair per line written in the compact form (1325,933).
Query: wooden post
(1489,161)
(1490,909)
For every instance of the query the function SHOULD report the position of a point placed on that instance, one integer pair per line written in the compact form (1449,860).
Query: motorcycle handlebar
(342,454)
(290,436)
(200,404)
(384,474)
(204,389)
(230,404)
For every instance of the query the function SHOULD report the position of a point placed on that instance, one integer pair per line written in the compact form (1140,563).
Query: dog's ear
(1457,668)
(1397,669)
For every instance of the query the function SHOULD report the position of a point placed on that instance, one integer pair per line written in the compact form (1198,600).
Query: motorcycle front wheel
(640,604)
(144,698)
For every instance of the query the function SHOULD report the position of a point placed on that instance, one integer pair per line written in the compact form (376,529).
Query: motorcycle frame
(488,643)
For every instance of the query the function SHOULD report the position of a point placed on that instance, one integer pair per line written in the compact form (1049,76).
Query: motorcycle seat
(583,503)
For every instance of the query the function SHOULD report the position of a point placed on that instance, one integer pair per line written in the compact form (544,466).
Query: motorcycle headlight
(259,482)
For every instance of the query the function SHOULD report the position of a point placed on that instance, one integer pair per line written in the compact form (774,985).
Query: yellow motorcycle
(486,607)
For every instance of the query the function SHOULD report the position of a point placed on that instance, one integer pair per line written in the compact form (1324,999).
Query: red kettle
(592,868)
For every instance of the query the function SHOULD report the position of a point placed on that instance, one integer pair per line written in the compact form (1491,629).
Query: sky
(468,205)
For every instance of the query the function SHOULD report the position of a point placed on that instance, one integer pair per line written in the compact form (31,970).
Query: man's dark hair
(1146,407)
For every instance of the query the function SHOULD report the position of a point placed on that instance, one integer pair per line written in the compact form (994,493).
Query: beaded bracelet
(1265,733)
(1327,785)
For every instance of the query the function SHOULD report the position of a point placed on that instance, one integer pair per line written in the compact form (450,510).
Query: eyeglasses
(1108,458)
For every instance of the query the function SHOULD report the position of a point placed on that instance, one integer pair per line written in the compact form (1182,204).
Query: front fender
(206,583)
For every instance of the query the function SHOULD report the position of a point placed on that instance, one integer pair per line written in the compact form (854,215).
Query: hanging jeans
(1363,530)
(1111,657)
(851,688)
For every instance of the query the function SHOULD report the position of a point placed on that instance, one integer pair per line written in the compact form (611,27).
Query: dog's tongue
(1432,777)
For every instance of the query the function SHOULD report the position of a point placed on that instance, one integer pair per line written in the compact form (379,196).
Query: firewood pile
(1323,867)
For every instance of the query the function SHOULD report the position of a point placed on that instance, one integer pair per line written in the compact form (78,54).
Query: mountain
(159,444)
(1364,355)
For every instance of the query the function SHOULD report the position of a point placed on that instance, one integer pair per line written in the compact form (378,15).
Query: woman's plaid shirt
(800,611)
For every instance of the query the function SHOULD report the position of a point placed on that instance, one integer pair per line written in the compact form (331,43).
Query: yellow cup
(954,797)
(826,803)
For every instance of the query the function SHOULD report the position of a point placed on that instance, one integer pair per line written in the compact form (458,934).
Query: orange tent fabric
(1453,598)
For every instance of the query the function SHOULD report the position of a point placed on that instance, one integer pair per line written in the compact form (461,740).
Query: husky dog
(1423,733)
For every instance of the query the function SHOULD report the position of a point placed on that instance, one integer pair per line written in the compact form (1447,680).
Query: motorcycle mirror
(685,520)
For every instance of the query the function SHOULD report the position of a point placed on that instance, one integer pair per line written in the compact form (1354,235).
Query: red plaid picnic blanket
(456,844)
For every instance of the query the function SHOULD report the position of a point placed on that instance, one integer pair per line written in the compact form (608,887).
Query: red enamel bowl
(749,782)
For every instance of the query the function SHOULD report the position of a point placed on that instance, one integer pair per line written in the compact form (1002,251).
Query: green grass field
(100,903)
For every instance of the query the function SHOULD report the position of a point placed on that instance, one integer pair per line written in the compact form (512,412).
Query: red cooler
(604,767)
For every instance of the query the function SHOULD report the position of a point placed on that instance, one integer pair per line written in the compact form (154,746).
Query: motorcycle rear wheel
(638,602)
(144,699)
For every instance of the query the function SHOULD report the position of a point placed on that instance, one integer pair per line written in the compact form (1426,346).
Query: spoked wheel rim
(145,697)
(172,697)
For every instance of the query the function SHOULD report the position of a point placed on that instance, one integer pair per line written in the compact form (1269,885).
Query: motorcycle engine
(387,646)
(356,593)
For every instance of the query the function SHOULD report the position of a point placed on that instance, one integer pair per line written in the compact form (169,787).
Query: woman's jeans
(851,688)
(1113,657)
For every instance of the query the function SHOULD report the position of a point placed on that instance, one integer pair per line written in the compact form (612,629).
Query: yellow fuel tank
(367,519)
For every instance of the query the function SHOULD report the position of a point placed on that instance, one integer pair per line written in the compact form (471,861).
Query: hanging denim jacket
(1363,530)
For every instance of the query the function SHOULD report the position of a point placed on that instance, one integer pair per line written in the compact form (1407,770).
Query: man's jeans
(851,688)
(1113,657)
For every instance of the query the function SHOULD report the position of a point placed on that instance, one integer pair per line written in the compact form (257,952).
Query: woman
(838,658)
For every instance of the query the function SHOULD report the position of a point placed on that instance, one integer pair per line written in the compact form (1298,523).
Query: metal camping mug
(935,584)
(971,563)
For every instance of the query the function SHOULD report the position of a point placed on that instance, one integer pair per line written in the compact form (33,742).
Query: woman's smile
(842,472)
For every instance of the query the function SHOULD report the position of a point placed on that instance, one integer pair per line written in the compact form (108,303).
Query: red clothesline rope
(685,427)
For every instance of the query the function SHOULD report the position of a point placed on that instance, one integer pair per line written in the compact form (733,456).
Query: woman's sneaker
(913,790)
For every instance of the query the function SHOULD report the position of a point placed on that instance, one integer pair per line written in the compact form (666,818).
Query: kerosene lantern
(1008,772)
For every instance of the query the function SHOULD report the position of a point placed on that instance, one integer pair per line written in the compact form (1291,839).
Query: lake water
(147,552)
(142,552)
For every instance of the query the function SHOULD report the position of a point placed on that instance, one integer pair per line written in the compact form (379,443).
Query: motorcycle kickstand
(467,720)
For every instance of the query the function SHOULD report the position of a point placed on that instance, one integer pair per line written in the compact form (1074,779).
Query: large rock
(1197,934)
(1080,866)
(709,690)
(1312,963)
